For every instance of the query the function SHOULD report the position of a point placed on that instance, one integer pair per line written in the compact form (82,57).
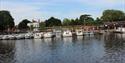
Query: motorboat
(67,33)
(120,30)
(79,32)
(20,36)
(38,35)
(48,35)
(5,37)
(28,35)
(11,37)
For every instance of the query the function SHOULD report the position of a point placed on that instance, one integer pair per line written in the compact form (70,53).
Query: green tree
(98,21)
(113,15)
(6,20)
(89,21)
(42,26)
(23,24)
(53,22)
(66,22)
(83,18)
(73,22)
(78,22)
(86,19)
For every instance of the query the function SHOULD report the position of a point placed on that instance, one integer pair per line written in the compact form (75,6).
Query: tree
(72,22)
(66,22)
(89,21)
(53,22)
(86,19)
(6,20)
(77,21)
(23,24)
(98,21)
(83,18)
(42,26)
(113,15)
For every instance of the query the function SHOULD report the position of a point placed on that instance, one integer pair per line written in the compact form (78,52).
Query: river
(107,48)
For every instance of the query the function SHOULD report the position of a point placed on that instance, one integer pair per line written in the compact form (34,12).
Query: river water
(107,48)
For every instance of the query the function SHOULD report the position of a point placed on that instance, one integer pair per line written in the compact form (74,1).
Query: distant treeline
(7,21)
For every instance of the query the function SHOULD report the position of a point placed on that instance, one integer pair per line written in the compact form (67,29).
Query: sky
(44,9)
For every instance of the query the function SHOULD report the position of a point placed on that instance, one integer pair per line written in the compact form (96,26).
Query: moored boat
(28,35)
(38,35)
(11,37)
(79,32)
(48,35)
(5,37)
(67,33)
(20,36)
(119,30)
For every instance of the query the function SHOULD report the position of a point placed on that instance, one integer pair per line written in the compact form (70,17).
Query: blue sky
(44,9)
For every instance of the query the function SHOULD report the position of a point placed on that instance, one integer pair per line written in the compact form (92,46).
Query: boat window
(67,33)
(79,31)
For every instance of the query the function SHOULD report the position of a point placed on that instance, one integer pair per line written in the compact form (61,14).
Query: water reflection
(114,48)
(107,48)
(7,51)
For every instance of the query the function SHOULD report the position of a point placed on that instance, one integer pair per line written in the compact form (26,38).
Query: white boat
(48,35)
(5,37)
(79,32)
(120,30)
(11,37)
(28,35)
(38,35)
(20,36)
(67,33)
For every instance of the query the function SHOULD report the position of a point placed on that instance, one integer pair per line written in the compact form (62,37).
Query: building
(114,24)
(34,26)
